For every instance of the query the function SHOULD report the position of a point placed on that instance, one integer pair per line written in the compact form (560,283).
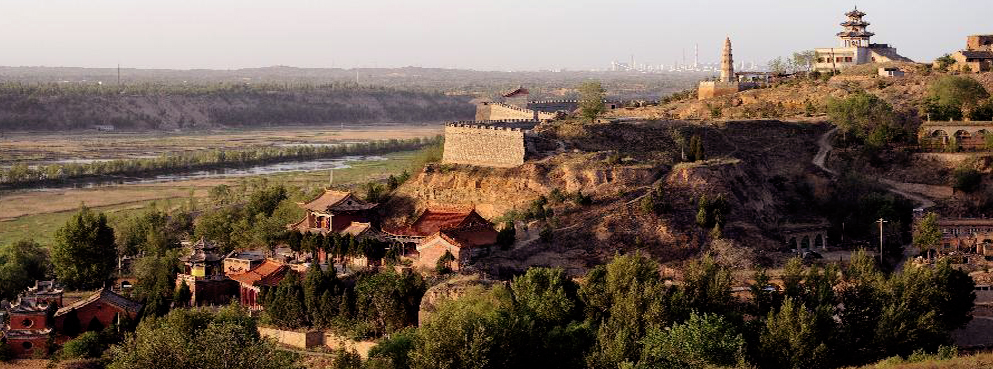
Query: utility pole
(881,221)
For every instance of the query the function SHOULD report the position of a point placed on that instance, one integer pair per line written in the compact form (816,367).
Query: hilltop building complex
(977,56)
(728,82)
(856,49)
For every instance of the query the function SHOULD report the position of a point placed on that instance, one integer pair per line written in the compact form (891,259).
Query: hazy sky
(487,35)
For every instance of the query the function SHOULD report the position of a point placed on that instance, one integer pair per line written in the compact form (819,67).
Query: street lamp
(881,221)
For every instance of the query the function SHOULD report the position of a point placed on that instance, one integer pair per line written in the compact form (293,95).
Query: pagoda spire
(727,62)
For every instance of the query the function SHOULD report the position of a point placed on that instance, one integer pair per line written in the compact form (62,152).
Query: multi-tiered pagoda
(855,34)
(855,47)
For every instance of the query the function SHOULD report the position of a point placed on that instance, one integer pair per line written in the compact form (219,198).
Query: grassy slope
(55,209)
(978,361)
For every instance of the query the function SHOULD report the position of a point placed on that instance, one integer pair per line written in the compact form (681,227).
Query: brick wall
(303,340)
(25,347)
(102,311)
(484,146)
(712,89)
(34,321)
(433,250)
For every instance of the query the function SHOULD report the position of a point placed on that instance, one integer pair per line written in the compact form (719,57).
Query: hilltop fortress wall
(500,143)
(500,111)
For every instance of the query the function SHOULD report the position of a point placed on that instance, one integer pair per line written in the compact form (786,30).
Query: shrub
(967,180)
(87,345)
(444,265)
(506,236)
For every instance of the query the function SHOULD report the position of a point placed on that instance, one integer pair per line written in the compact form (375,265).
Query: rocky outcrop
(451,289)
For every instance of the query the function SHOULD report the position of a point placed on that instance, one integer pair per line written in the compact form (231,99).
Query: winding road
(824,148)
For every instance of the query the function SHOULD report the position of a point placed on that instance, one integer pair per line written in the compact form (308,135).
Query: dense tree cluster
(193,338)
(365,304)
(956,98)
(624,314)
(205,105)
(863,118)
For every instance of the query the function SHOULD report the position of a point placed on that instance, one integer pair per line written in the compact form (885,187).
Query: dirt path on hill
(899,188)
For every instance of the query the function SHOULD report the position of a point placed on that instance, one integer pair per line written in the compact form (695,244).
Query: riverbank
(37,214)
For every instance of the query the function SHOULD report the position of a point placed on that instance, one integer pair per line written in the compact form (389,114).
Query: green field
(36,215)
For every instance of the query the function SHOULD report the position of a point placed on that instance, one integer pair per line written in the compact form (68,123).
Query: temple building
(462,232)
(728,82)
(203,273)
(856,49)
(203,259)
(94,313)
(267,274)
(335,212)
(29,327)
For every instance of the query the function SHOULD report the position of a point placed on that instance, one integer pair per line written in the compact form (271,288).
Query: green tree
(394,352)
(703,341)
(625,299)
(591,95)
(133,233)
(927,236)
(792,338)
(194,338)
(944,62)
(83,253)
(863,116)
(507,235)
(959,92)
(21,264)
(546,294)
(707,287)
(478,330)
(87,345)
(967,180)
(183,295)
(156,282)
(444,264)
(803,61)
(389,301)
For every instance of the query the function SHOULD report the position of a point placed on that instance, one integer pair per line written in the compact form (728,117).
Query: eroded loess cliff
(757,166)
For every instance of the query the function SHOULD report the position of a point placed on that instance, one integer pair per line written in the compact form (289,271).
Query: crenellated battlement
(500,125)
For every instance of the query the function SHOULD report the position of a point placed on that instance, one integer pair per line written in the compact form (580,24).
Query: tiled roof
(269,273)
(518,91)
(104,295)
(977,54)
(468,237)
(332,200)
(433,220)
(356,228)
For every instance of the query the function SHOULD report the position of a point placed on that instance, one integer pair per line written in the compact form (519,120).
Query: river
(255,170)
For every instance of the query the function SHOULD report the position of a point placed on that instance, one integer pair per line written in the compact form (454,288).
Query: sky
(468,34)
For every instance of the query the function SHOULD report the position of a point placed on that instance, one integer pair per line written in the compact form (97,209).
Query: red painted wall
(37,321)
(103,311)
(37,345)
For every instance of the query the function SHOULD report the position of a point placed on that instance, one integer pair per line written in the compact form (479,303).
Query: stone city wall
(301,340)
(501,111)
(490,144)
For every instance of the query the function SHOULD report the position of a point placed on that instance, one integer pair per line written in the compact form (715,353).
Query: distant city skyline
(491,35)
